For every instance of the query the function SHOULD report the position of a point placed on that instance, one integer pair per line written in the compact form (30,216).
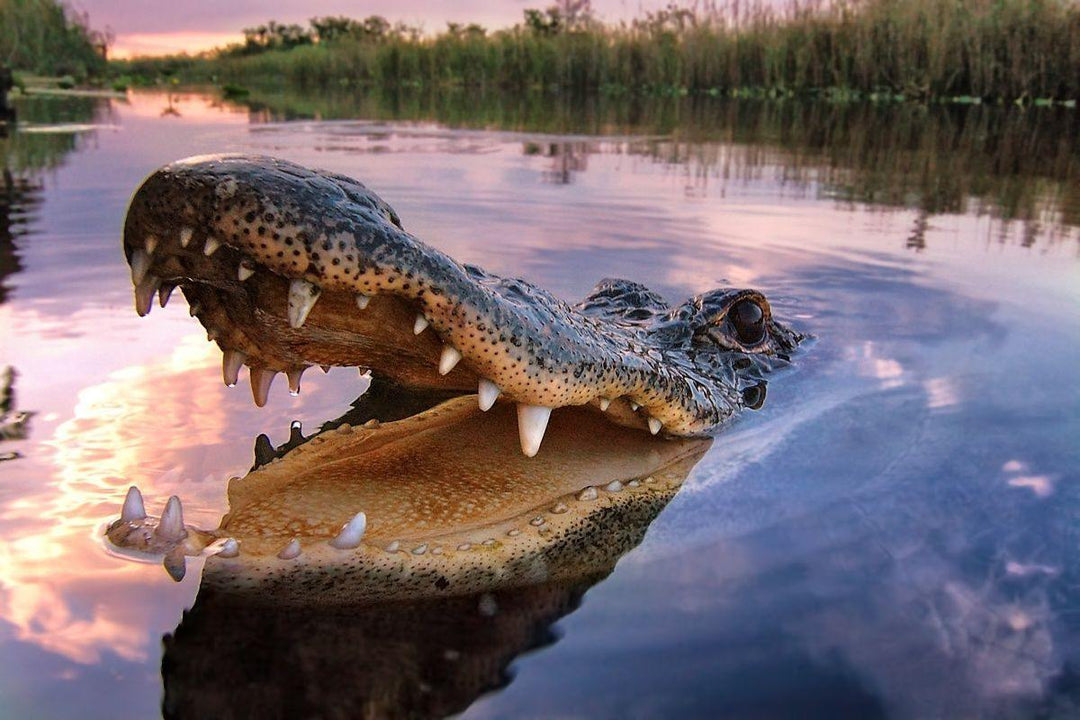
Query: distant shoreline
(970,51)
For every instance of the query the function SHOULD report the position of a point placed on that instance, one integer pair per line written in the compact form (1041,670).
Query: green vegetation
(879,50)
(46,37)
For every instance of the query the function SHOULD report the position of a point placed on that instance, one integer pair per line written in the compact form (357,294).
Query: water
(893,535)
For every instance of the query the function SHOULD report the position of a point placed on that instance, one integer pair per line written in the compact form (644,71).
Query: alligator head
(288,267)
(425,492)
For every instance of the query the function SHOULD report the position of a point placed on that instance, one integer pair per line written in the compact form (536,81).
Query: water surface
(893,535)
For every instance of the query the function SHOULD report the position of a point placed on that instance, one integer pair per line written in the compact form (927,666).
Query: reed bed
(971,50)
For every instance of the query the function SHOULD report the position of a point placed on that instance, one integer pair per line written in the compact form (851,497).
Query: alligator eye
(748,319)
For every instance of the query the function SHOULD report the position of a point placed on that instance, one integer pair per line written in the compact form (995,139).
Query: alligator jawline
(289,268)
(437,503)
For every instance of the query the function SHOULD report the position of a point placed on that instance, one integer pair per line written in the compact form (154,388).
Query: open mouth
(288,268)
(440,502)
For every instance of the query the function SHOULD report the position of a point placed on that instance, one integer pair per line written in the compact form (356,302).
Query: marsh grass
(882,50)
(49,38)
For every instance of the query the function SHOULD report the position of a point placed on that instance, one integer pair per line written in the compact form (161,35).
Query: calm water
(895,534)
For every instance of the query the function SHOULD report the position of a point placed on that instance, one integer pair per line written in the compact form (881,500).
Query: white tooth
(655,425)
(351,533)
(420,549)
(604,404)
(151,243)
(488,392)
(164,293)
(229,549)
(140,265)
(393,547)
(212,244)
(260,384)
(294,380)
(231,362)
(185,236)
(420,324)
(450,357)
(302,297)
(532,422)
(588,493)
(362,300)
(171,525)
(614,486)
(144,294)
(175,563)
(133,508)
(634,406)
(290,551)
(244,271)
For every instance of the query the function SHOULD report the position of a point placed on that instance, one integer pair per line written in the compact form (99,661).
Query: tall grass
(49,38)
(979,49)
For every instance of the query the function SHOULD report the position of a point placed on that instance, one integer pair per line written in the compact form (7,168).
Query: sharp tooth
(488,392)
(212,244)
(171,526)
(634,406)
(420,324)
(604,404)
(175,563)
(229,549)
(231,362)
(290,551)
(164,293)
(655,425)
(532,422)
(351,533)
(151,243)
(212,334)
(133,508)
(302,297)
(185,236)
(140,265)
(260,384)
(294,380)
(450,358)
(614,486)
(144,294)
(244,271)
(362,300)
(588,493)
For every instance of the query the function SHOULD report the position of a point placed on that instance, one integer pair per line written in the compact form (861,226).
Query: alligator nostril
(754,396)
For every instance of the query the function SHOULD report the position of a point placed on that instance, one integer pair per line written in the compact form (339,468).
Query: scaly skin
(240,234)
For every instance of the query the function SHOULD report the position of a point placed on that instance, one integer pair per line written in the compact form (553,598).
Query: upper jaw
(289,268)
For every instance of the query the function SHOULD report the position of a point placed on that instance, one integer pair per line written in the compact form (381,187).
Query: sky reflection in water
(893,534)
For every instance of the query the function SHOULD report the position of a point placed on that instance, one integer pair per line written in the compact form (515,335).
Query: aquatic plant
(49,37)
(881,50)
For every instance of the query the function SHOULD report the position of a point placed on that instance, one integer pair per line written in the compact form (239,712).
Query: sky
(153,27)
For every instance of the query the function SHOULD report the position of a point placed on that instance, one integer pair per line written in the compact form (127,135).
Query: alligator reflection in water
(470,553)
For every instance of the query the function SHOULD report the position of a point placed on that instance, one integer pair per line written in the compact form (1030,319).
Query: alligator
(288,268)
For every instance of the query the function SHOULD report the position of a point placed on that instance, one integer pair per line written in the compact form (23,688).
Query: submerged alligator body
(443,490)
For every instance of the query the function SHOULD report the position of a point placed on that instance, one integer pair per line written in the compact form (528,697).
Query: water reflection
(1016,166)
(429,611)
(894,533)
